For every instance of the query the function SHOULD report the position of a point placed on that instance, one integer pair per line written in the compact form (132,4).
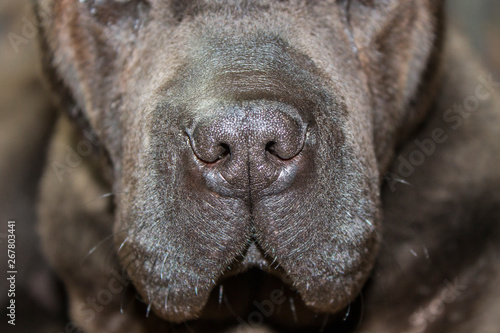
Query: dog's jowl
(236,165)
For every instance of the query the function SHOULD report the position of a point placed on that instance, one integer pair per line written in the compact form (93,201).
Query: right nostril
(226,151)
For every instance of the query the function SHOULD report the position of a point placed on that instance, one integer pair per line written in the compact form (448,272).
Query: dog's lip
(187,306)
(308,287)
(254,257)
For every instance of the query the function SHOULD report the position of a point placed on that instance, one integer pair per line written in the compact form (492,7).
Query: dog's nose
(249,147)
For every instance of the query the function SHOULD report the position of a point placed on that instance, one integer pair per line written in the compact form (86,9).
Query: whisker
(393,178)
(92,250)
(292,308)
(221,294)
(402,181)
(122,244)
(426,253)
(163,268)
(102,241)
(347,313)
(106,195)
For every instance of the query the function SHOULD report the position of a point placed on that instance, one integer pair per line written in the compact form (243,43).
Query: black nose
(248,146)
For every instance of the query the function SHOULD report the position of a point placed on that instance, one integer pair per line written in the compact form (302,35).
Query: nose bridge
(257,65)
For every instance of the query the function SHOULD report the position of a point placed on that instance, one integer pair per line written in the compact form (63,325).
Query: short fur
(347,92)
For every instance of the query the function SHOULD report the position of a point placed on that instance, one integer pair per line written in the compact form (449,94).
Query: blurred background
(25,112)
(479,20)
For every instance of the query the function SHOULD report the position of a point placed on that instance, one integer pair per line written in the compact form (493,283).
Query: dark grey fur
(271,134)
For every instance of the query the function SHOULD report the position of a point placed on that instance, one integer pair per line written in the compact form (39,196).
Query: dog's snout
(259,136)
(250,145)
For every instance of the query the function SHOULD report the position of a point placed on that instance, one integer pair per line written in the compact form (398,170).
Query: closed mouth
(254,257)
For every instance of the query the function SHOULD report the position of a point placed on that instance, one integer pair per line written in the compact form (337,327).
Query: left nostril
(271,149)
(288,141)
(226,151)
(283,153)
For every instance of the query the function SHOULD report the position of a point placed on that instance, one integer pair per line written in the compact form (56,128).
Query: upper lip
(254,256)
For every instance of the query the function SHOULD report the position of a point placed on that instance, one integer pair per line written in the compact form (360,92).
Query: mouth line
(254,257)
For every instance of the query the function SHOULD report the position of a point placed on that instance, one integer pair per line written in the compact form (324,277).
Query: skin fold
(294,159)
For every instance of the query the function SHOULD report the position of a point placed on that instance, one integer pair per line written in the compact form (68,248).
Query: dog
(258,166)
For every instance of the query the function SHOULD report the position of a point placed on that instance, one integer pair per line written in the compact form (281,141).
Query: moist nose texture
(249,146)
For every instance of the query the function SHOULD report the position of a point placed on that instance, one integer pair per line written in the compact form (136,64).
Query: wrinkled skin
(240,134)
